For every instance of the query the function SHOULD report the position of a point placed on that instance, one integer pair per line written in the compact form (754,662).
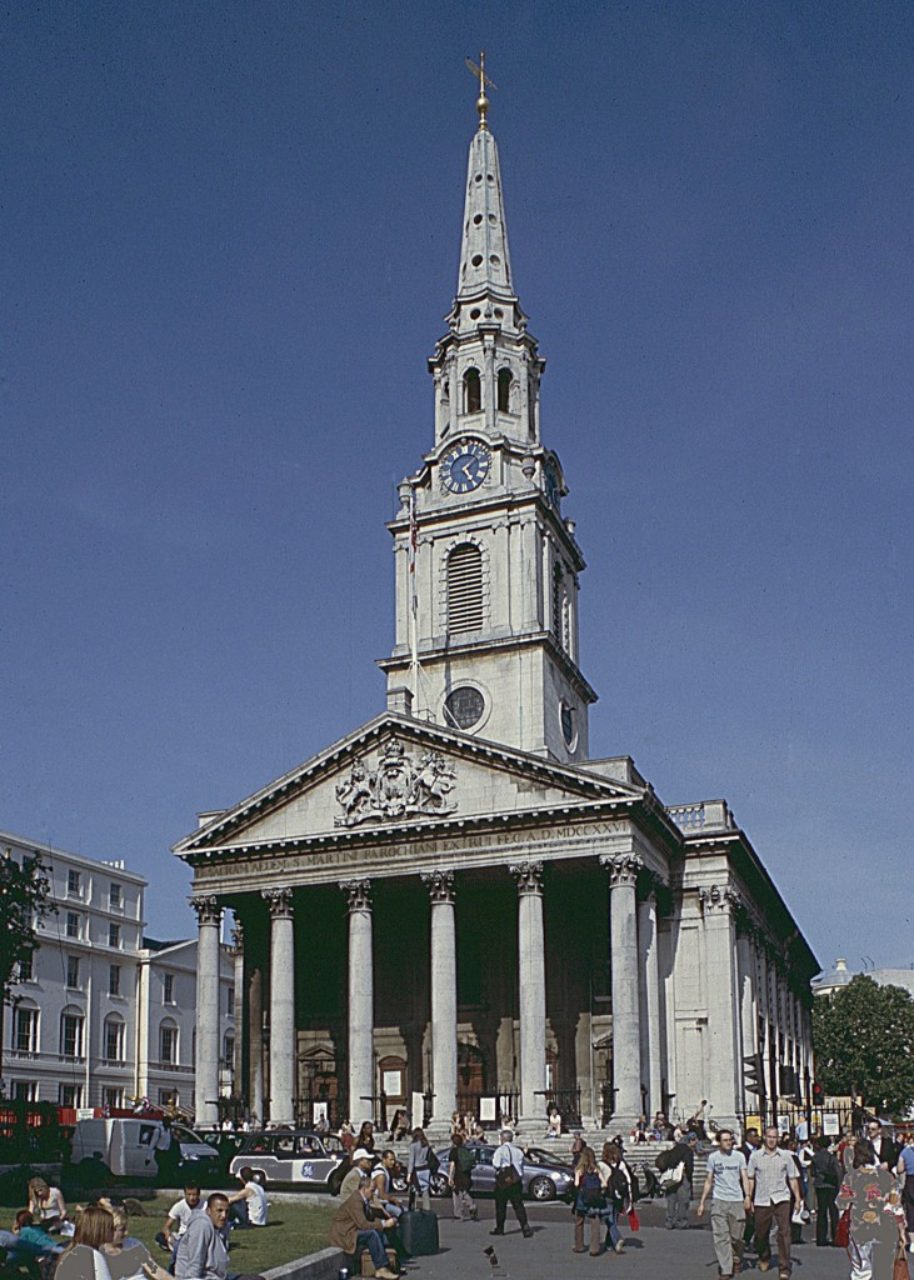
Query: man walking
(508,1163)
(825,1175)
(772,1181)
(677,1182)
(728,1185)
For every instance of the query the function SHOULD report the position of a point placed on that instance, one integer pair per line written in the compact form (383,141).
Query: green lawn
(294,1230)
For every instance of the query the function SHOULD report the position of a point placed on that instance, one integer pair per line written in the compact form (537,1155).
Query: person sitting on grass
(126,1256)
(248,1207)
(202,1252)
(352,1230)
(179,1215)
(29,1245)
(47,1205)
(83,1258)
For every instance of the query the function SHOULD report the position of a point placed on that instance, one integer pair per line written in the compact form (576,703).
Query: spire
(485,265)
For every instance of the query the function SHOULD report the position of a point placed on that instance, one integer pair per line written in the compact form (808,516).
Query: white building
(570,938)
(828,983)
(100,1014)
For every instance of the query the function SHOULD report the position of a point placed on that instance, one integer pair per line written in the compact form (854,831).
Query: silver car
(546,1177)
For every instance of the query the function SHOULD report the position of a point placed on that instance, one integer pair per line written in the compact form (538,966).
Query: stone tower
(487,569)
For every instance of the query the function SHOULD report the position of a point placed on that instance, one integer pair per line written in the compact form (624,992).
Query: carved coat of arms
(398,787)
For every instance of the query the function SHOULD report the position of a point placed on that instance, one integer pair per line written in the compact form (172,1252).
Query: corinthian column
(531,958)
(282,1006)
(718,907)
(440,886)
(206,1081)
(361,1000)
(623,942)
(238,1010)
(649,977)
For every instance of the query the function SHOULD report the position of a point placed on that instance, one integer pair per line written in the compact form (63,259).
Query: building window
(168,988)
(70,1095)
(114,897)
(74,889)
(114,1039)
(25,970)
(25,1091)
(464,706)
(472,391)
(25,1029)
(464,589)
(112,1097)
(72,927)
(230,1001)
(71,1034)
(114,980)
(168,1097)
(114,935)
(168,1043)
(228,1049)
(73,971)
(504,391)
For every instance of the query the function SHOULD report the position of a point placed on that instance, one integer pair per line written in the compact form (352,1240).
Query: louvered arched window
(472,391)
(464,589)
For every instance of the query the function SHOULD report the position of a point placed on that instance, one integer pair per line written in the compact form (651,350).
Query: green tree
(24,900)
(863,1037)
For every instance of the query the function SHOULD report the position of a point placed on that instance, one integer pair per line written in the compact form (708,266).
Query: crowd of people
(91,1241)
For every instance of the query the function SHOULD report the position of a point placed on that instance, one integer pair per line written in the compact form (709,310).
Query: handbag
(670,1179)
(843,1231)
(900,1265)
(634,1222)
(506,1177)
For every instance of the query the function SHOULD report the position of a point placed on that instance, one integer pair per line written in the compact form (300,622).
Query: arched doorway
(320,1087)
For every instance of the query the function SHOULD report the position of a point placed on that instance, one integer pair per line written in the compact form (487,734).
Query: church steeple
(487,580)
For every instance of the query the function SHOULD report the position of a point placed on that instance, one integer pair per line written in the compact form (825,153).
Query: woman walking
(419,1169)
(619,1198)
(589,1202)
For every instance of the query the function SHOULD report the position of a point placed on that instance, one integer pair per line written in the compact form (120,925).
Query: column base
(531,1127)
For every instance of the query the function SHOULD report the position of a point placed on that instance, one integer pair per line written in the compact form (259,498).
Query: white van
(125,1148)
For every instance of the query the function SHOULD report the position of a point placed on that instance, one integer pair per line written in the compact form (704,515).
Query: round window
(464,707)
(568,726)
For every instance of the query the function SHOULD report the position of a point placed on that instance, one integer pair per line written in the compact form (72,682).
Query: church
(455,900)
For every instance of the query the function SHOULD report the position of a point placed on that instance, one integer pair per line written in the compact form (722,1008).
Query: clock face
(464,467)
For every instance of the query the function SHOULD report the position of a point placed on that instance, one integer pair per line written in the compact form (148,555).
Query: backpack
(464,1159)
(618,1186)
(591,1191)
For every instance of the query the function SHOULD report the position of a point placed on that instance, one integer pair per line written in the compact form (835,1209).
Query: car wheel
(542,1189)
(438,1185)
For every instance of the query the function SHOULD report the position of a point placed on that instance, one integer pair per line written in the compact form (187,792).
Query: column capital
(529,876)
(358,893)
(440,885)
(718,901)
(208,909)
(623,869)
(279,900)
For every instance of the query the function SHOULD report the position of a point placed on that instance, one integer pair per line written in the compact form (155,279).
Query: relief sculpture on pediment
(397,787)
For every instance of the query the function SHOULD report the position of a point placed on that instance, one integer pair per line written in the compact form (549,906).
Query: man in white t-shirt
(179,1215)
(727,1184)
(248,1207)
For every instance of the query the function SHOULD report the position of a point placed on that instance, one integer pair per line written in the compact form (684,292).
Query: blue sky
(231,234)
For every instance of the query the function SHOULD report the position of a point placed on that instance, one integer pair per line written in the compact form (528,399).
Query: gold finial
(482,102)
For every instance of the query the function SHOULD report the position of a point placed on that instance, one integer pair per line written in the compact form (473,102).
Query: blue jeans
(613,1234)
(373,1241)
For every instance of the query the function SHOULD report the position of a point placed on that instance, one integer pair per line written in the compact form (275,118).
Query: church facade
(454,900)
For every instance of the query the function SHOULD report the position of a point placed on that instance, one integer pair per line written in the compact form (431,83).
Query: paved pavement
(651,1254)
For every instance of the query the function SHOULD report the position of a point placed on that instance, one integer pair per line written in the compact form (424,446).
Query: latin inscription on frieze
(412,851)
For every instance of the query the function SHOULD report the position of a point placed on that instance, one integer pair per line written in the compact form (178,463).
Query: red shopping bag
(634,1221)
(843,1233)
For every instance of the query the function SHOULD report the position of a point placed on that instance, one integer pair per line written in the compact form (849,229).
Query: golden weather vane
(479,73)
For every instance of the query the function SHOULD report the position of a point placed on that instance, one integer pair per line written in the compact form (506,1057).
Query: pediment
(395,772)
